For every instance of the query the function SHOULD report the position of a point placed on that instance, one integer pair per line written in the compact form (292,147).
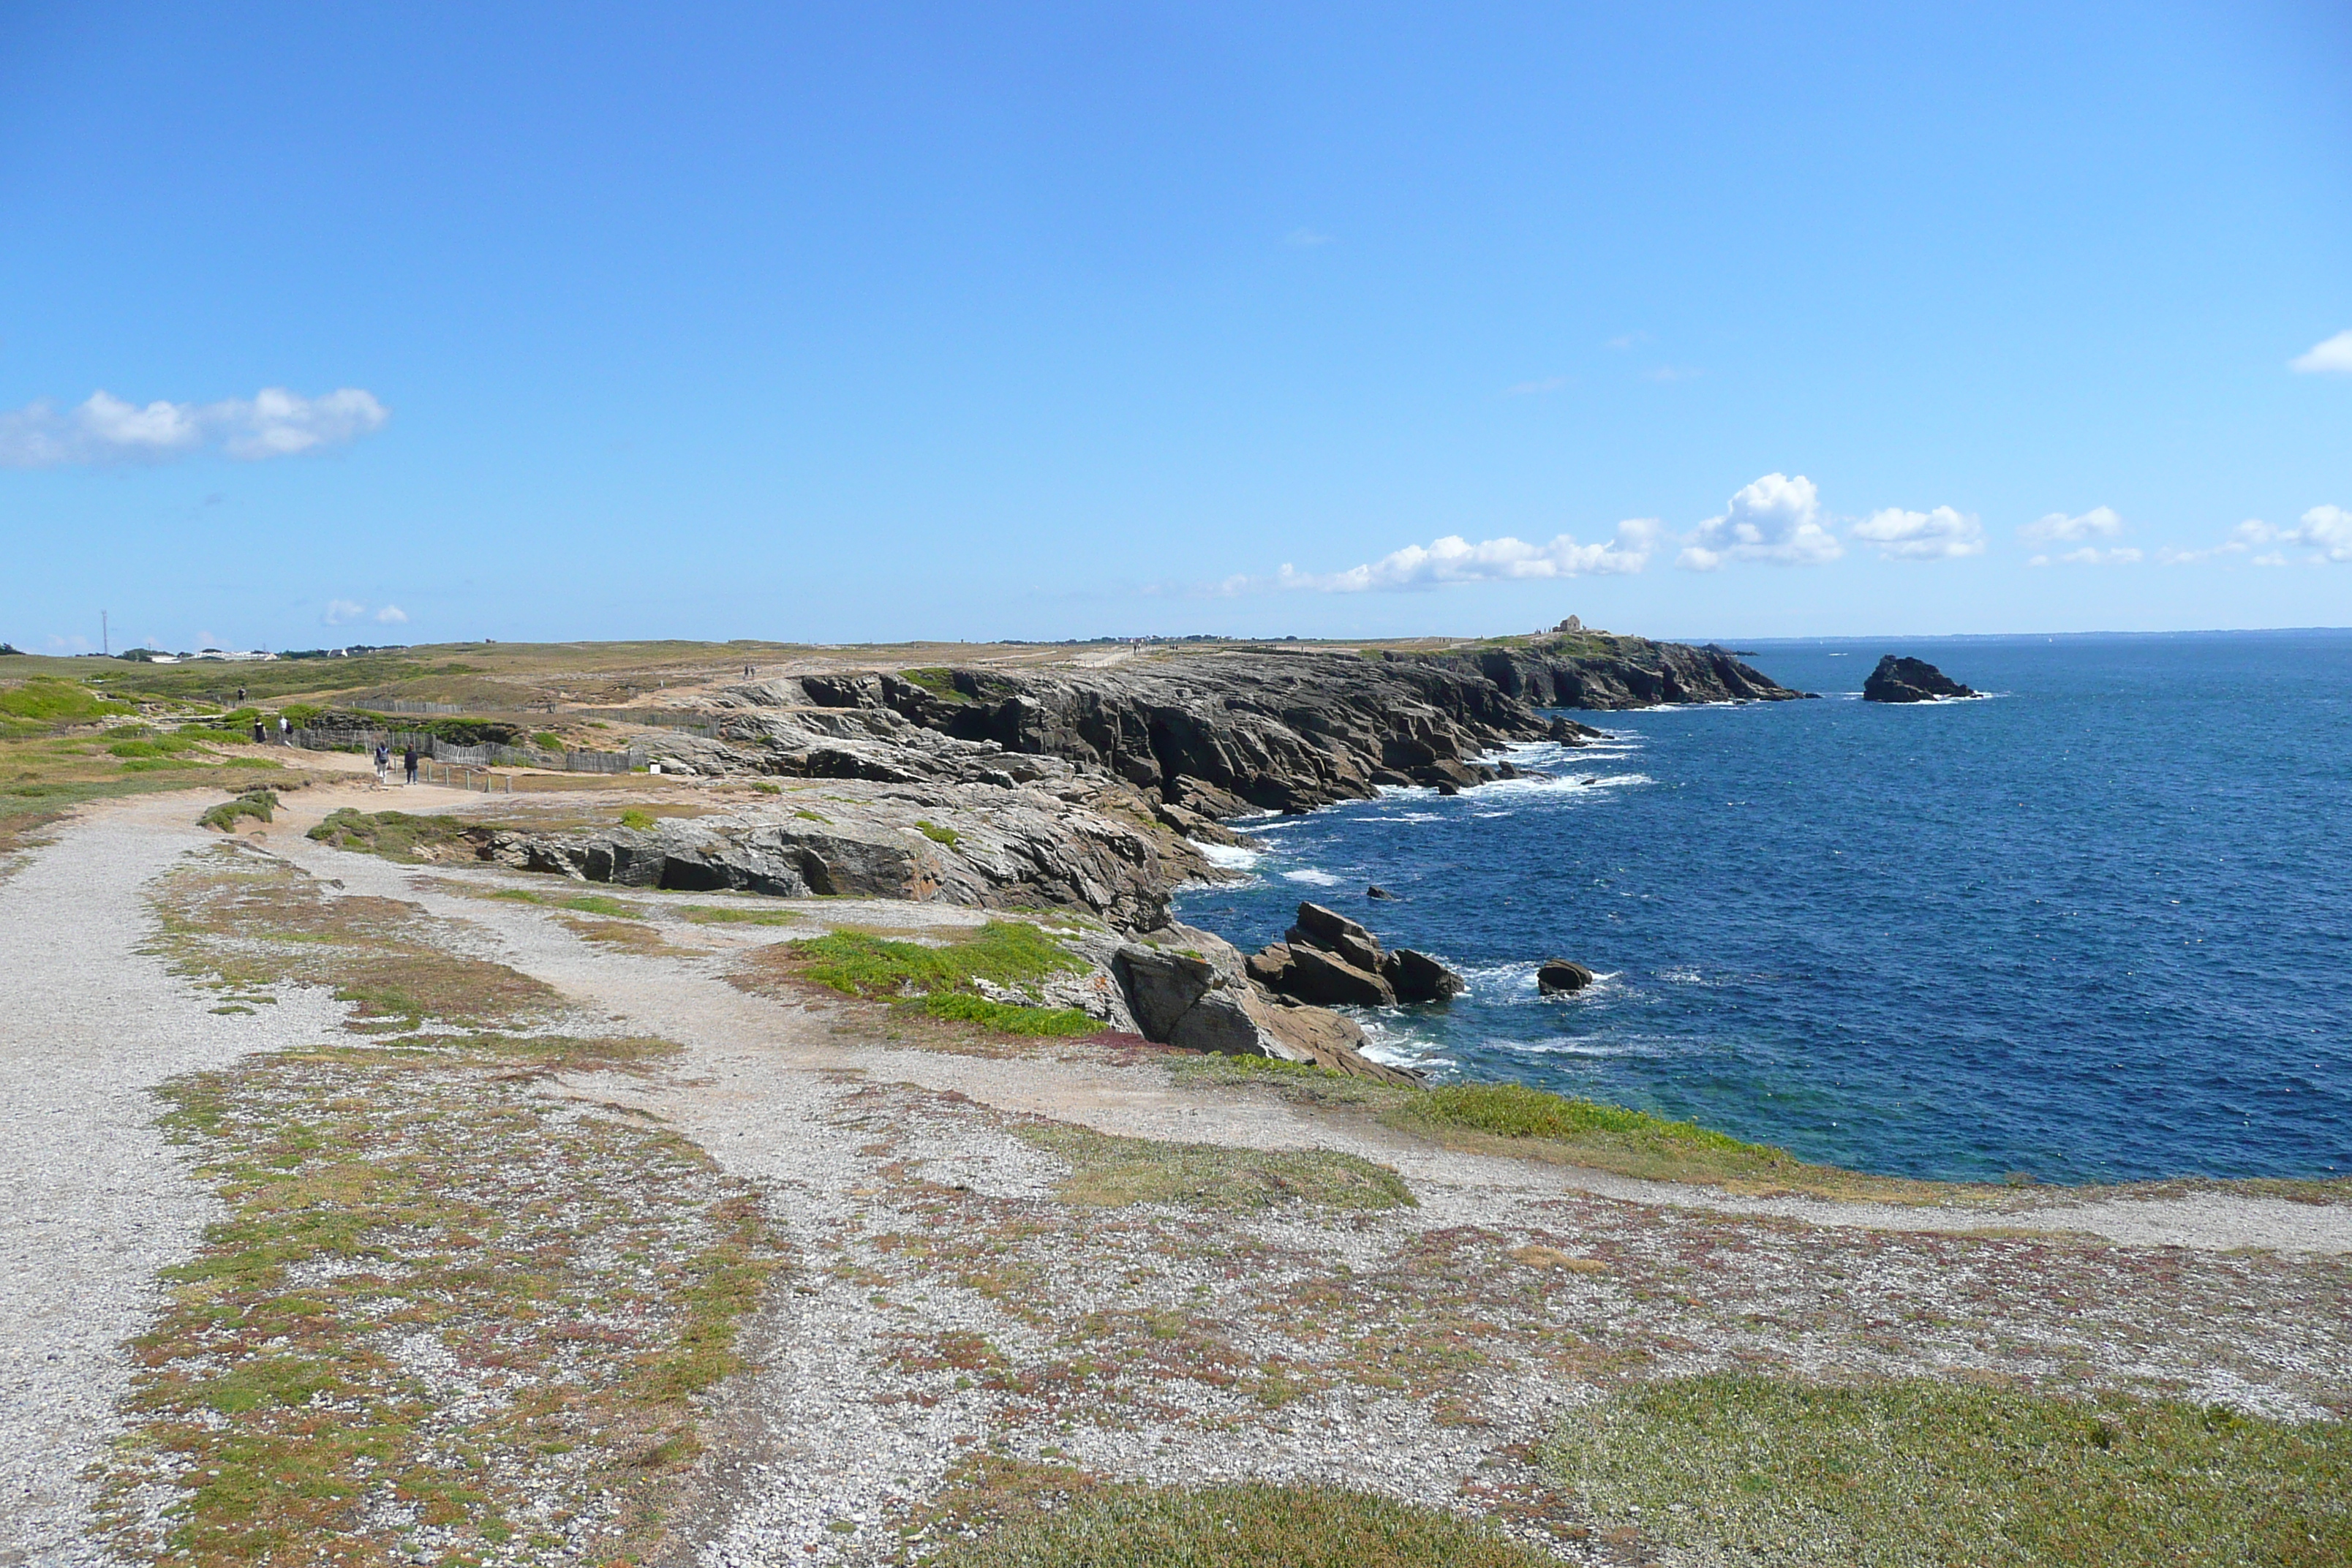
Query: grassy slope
(1933,1474)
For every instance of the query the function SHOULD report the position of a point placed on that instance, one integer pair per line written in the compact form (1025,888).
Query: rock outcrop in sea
(1899,679)
(1328,960)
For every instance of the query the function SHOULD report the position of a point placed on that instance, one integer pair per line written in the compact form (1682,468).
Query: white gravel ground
(93,1201)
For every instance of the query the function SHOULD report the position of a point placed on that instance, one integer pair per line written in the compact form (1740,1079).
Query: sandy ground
(822,1437)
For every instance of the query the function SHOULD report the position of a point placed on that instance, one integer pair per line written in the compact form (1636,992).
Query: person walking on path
(285,731)
(408,762)
(382,763)
(260,736)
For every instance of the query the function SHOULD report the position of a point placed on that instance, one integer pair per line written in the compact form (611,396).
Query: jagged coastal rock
(1328,960)
(1898,680)
(1558,977)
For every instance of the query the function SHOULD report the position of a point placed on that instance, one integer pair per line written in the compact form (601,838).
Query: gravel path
(93,1201)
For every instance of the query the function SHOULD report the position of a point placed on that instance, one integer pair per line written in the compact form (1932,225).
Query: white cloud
(2247,536)
(103,428)
(391,615)
(1776,518)
(2335,354)
(1455,560)
(2326,528)
(341,610)
(2091,556)
(1942,534)
(2057,528)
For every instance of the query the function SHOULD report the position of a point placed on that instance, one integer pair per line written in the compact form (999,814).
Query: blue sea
(2095,925)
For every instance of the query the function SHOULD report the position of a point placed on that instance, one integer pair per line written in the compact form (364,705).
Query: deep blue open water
(2095,926)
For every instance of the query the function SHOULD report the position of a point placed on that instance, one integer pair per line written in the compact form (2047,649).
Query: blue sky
(867,323)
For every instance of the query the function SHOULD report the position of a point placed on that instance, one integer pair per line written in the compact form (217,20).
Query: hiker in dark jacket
(408,760)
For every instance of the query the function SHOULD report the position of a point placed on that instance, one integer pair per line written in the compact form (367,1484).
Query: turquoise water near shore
(2097,925)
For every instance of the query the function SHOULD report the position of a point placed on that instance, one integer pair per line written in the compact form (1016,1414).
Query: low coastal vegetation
(394,835)
(1772,1472)
(445,1317)
(947,981)
(1249,1523)
(1110,1172)
(258,804)
(64,743)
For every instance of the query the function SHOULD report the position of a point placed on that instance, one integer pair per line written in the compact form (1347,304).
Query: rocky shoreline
(1095,792)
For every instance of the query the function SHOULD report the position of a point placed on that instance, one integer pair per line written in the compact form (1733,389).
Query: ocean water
(2094,926)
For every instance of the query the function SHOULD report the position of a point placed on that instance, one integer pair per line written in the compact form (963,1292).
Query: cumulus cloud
(1942,534)
(2334,355)
(391,615)
(1776,518)
(2057,528)
(103,428)
(2328,530)
(2091,555)
(1455,560)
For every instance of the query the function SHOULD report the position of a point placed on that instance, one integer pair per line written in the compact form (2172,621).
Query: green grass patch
(936,679)
(46,701)
(1108,1172)
(1512,1118)
(394,835)
(938,835)
(548,741)
(1010,1018)
(1251,1525)
(152,745)
(807,815)
(642,821)
(586,903)
(1002,952)
(1514,1111)
(1919,1474)
(260,804)
(725,915)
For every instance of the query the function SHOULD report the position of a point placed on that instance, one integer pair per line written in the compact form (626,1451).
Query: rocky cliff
(1219,733)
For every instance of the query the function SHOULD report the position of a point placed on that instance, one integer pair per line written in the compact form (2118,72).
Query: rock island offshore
(746,1103)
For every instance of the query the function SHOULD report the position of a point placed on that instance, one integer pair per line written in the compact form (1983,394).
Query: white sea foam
(1311,876)
(1229,856)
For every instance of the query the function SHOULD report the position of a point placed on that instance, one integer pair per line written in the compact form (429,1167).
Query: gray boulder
(1327,980)
(1187,1000)
(1558,976)
(1417,977)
